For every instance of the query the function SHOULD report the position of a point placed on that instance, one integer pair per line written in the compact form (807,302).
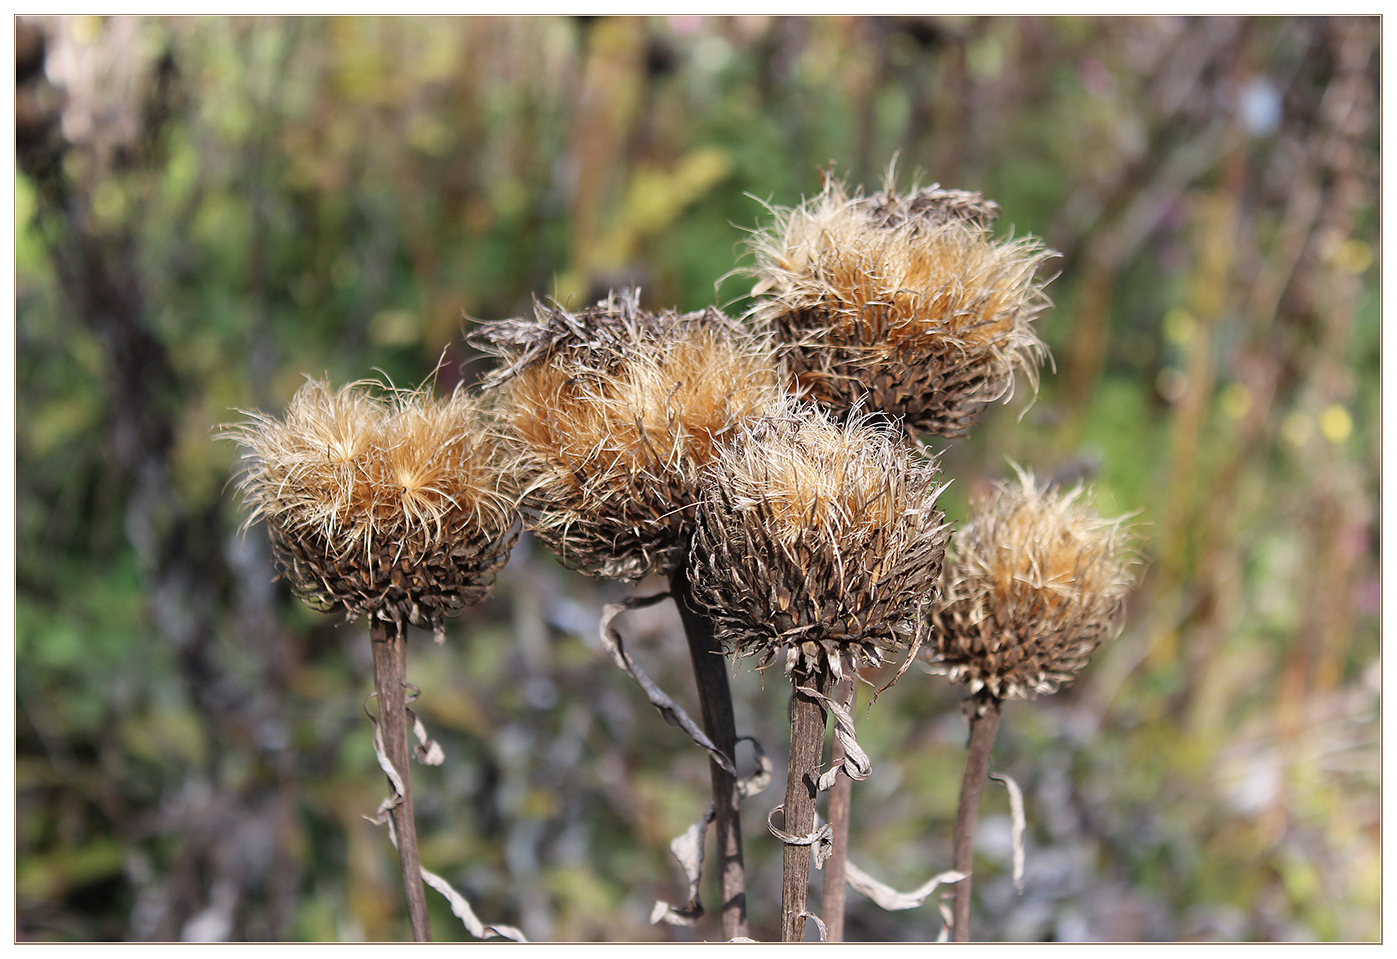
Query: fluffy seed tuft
(611,415)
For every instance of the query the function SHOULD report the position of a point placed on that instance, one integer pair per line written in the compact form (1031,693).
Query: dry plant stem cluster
(817,546)
(612,415)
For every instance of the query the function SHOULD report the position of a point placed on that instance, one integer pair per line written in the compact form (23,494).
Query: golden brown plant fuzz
(903,304)
(1034,583)
(381,503)
(611,415)
(819,540)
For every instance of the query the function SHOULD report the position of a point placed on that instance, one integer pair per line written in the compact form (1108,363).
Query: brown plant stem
(715,703)
(802,778)
(984,726)
(840,795)
(390,674)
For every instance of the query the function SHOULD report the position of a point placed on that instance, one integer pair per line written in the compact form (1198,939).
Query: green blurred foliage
(234,204)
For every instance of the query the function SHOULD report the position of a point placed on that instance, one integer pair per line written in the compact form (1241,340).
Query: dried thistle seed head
(612,421)
(380,505)
(1034,583)
(903,304)
(819,540)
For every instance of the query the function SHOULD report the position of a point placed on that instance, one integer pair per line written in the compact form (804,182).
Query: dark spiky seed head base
(902,304)
(380,503)
(1034,583)
(819,541)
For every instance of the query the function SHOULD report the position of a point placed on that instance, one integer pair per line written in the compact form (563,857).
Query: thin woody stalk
(802,777)
(984,726)
(1035,582)
(715,702)
(390,673)
(386,504)
(841,794)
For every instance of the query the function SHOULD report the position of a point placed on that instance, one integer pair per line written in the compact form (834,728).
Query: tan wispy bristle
(379,502)
(819,540)
(903,304)
(1034,583)
(612,414)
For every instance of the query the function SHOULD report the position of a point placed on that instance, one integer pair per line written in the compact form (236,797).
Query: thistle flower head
(384,504)
(817,539)
(611,415)
(901,303)
(1034,583)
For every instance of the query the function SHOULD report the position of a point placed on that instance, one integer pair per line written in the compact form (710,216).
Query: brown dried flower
(901,303)
(611,415)
(380,505)
(1034,583)
(818,539)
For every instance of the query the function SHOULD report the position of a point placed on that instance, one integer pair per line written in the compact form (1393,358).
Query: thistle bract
(611,415)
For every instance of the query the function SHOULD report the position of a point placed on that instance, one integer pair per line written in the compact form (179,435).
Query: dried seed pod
(611,415)
(1034,583)
(383,506)
(818,539)
(901,303)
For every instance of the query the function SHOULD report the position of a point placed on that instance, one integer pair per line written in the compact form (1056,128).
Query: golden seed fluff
(611,415)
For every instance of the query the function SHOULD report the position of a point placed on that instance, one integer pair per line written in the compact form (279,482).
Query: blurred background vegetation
(207,209)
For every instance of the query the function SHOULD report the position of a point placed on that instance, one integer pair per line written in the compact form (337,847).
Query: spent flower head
(901,303)
(1033,584)
(818,539)
(384,503)
(611,416)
